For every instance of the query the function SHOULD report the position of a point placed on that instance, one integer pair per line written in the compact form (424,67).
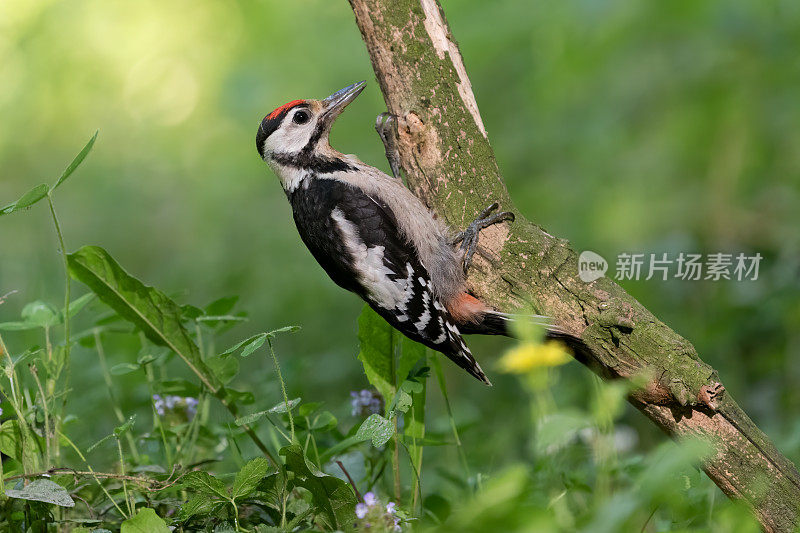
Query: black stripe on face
(272,122)
(314,163)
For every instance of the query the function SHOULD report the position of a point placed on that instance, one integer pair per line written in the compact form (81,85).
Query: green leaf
(224,368)
(248,346)
(16,326)
(249,477)
(124,368)
(376,350)
(249,419)
(557,429)
(77,304)
(324,421)
(331,495)
(146,307)
(235,396)
(281,407)
(124,428)
(27,199)
(77,161)
(145,521)
(284,329)
(410,354)
(40,314)
(13,444)
(221,306)
(377,428)
(205,483)
(199,505)
(43,490)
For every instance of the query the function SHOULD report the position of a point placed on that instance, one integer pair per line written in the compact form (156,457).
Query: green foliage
(149,309)
(331,494)
(667,153)
(145,521)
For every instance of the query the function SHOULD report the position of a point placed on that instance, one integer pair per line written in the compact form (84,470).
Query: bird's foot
(385,125)
(469,237)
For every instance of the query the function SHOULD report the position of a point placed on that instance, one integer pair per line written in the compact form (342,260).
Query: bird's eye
(301,117)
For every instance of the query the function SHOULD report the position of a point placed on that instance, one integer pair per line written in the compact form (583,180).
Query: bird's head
(295,135)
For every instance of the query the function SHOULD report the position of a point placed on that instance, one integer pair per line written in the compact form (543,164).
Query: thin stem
(35,374)
(437,367)
(283,388)
(148,372)
(67,290)
(396,451)
(115,406)
(92,472)
(122,471)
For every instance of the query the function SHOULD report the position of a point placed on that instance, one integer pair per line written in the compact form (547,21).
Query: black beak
(335,103)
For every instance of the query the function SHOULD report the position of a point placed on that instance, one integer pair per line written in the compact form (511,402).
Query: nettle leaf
(249,477)
(27,199)
(76,161)
(331,495)
(145,521)
(43,490)
(199,505)
(148,308)
(205,483)
(376,428)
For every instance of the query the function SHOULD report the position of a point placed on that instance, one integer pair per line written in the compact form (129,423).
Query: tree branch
(445,153)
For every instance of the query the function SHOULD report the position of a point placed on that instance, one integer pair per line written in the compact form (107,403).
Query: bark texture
(449,163)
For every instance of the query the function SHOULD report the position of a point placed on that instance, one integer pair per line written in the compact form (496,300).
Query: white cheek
(288,139)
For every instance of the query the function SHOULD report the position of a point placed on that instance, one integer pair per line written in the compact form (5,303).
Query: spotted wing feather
(356,239)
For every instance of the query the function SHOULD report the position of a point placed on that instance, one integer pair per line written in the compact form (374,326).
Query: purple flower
(191,407)
(158,403)
(371,512)
(175,404)
(366,402)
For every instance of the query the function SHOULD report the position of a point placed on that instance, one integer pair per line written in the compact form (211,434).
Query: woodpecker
(373,236)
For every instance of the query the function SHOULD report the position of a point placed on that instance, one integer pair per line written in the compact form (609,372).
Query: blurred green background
(622,126)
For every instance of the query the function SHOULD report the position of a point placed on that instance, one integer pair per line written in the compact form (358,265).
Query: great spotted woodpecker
(373,236)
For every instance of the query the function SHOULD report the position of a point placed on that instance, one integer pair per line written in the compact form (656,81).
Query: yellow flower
(528,356)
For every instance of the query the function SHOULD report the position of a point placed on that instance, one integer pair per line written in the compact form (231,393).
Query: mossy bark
(449,163)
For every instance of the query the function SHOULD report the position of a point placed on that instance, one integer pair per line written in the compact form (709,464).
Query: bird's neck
(293,168)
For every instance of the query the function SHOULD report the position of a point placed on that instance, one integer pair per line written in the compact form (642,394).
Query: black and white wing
(356,239)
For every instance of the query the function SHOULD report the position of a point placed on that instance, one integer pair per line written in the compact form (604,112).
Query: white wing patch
(373,273)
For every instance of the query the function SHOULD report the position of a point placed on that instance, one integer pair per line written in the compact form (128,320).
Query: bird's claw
(385,125)
(469,237)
